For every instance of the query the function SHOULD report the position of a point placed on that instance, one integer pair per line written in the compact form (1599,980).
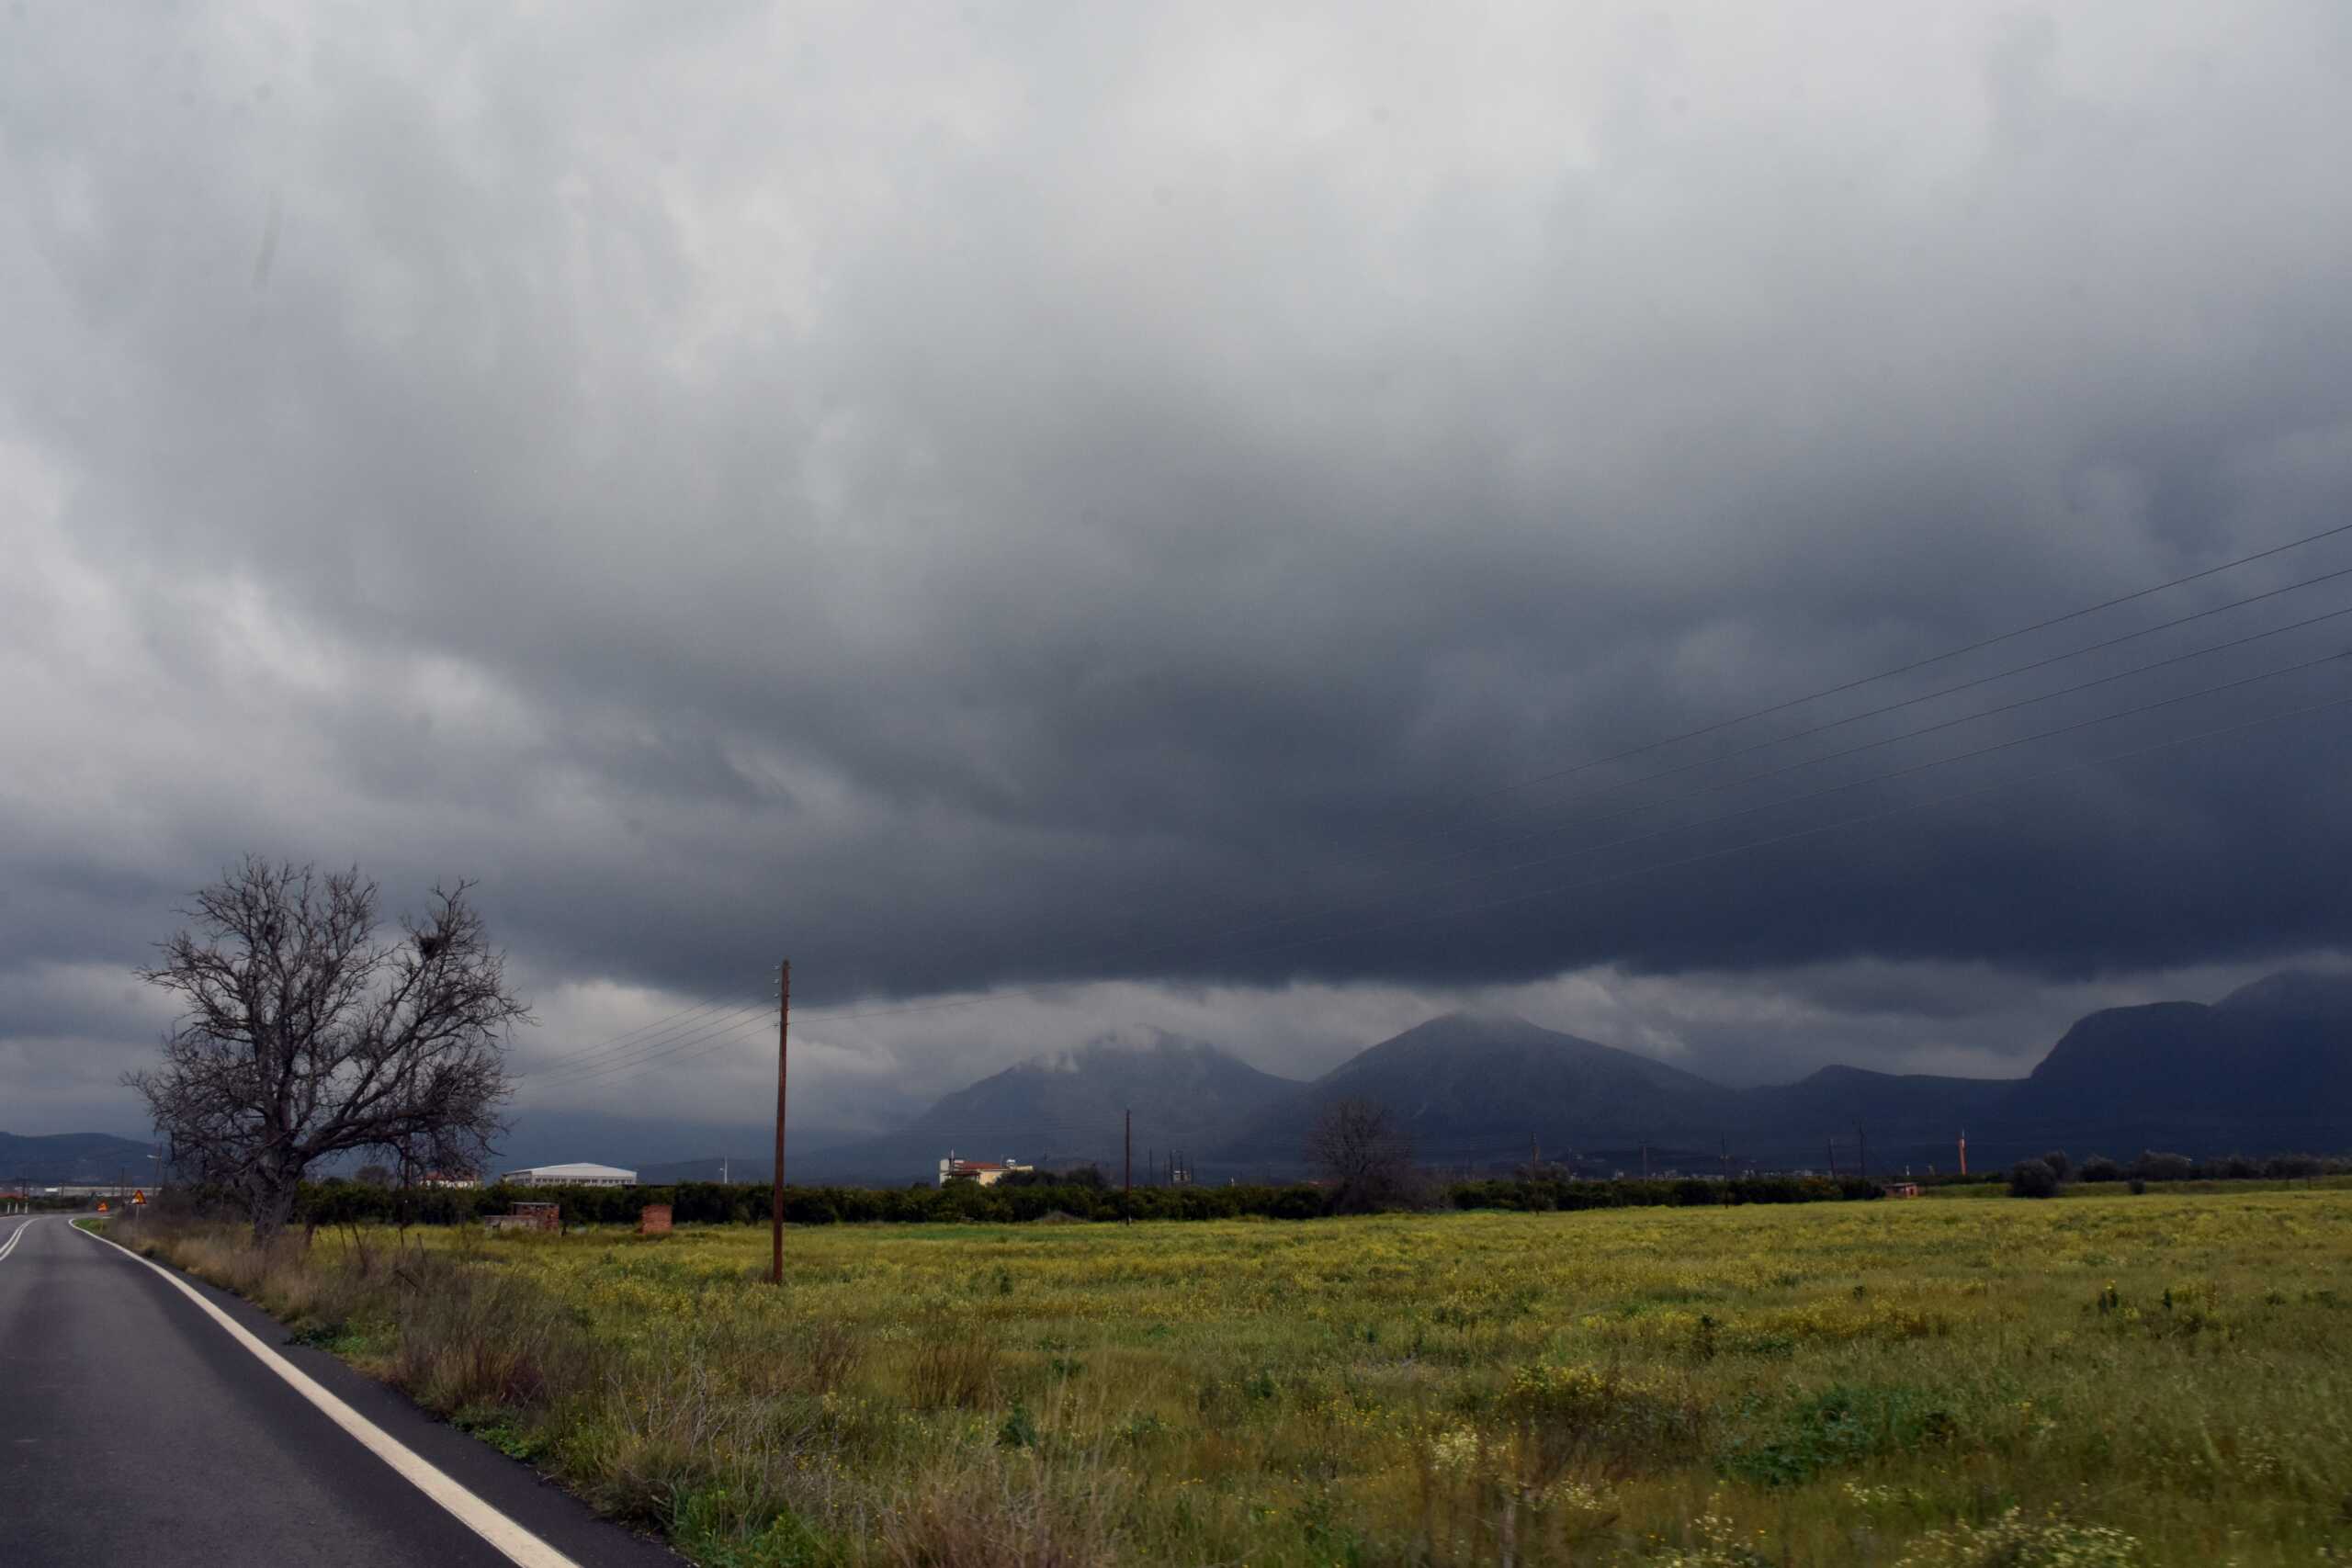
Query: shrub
(2058,1162)
(2153,1166)
(1839,1427)
(2032,1178)
(2098,1168)
(2015,1541)
(953,1364)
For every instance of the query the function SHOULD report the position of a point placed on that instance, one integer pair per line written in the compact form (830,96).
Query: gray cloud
(977,498)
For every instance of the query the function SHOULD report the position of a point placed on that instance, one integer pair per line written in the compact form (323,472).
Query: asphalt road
(136,1429)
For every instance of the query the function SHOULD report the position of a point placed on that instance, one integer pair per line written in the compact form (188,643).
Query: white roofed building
(571,1176)
(987,1172)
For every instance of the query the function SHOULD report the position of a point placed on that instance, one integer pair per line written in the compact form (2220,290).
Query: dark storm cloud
(973,498)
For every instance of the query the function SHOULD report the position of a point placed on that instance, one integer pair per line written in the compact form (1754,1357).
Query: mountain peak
(1120,1045)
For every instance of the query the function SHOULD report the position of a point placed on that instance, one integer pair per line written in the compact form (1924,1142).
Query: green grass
(2158,1379)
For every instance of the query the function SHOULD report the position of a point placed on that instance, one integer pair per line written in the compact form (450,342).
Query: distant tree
(2058,1162)
(373,1175)
(2032,1178)
(2156,1166)
(1089,1176)
(1365,1155)
(2098,1168)
(305,1037)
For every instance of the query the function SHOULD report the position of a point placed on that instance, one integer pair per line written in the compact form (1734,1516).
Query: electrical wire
(1888,675)
(624,1051)
(846,1014)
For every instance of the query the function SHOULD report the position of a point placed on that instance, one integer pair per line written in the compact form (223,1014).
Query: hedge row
(335,1202)
(1691,1191)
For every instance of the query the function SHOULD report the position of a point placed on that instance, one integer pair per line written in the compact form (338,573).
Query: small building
(571,1176)
(984,1172)
(1900,1190)
(450,1178)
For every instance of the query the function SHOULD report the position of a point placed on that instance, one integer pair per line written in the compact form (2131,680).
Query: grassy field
(2157,1379)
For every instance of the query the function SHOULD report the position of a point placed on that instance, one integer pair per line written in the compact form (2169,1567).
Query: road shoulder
(531,1500)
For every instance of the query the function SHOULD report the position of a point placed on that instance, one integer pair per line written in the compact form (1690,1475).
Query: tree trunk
(273,1205)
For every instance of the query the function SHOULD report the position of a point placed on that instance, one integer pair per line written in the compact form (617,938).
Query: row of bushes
(2042,1176)
(335,1203)
(1689,1192)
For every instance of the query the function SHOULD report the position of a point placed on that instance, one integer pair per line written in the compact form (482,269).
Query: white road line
(10,1245)
(519,1545)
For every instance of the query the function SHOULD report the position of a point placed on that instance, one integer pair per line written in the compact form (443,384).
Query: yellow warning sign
(140,1196)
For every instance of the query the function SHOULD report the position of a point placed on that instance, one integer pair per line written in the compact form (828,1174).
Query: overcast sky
(985,497)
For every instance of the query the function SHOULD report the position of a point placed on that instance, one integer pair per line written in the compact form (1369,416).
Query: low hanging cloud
(979,499)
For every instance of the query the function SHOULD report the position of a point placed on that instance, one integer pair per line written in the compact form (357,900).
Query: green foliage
(2033,1178)
(1020,1429)
(716,1528)
(1842,1426)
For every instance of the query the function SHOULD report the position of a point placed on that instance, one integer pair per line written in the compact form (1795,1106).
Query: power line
(1581,849)
(1866,817)
(1915,664)
(1134,952)
(1961,686)
(636,1040)
(1639,837)
(645,1034)
(1721,785)
(694,1044)
(624,1048)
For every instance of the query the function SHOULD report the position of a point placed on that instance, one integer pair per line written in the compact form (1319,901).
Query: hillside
(1071,1106)
(73,1159)
(2266,1069)
(1474,1086)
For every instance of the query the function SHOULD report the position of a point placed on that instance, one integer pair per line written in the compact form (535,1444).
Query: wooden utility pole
(1127,1169)
(775,1199)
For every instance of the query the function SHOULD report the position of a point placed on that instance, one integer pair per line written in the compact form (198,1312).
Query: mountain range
(2265,1070)
(60,1159)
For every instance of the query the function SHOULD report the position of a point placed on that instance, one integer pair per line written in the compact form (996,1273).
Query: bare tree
(306,1036)
(1364,1154)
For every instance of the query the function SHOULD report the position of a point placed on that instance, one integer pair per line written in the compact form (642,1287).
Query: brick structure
(527,1217)
(653,1220)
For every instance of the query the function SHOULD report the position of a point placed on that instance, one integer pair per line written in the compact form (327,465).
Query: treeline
(336,1201)
(1680,1192)
(711,1203)
(2043,1176)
